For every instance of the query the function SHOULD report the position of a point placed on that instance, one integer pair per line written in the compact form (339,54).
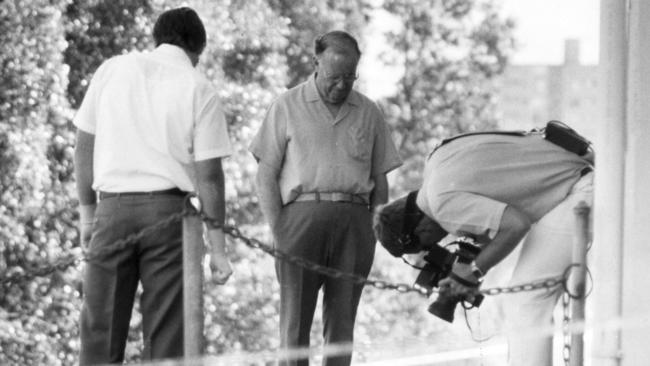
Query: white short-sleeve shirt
(151,114)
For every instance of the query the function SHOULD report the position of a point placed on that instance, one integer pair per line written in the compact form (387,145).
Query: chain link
(327,271)
(62,264)
(566,334)
(547,283)
(19,276)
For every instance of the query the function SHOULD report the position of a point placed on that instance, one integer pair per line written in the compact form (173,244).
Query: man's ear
(433,232)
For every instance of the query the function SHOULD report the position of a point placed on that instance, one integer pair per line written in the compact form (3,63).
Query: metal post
(636,230)
(607,256)
(578,278)
(193,251)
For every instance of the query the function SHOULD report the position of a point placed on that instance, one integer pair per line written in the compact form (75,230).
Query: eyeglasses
(349,78)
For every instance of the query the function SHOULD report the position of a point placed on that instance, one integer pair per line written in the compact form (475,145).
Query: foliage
(99,29)
(35,223)
(255,50)
(310,18)
(448,51)
(244,60)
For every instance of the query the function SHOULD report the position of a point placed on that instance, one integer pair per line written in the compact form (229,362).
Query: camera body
(439,263)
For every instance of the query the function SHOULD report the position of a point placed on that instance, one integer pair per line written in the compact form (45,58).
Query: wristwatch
(476,271)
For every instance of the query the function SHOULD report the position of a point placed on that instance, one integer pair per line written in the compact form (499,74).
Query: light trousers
(545,252)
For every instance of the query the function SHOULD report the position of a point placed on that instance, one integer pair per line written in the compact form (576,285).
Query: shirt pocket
(359,143)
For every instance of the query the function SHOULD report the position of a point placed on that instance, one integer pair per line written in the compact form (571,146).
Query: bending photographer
(498,188)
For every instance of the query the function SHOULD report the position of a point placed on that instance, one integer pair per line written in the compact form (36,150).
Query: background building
(530,95)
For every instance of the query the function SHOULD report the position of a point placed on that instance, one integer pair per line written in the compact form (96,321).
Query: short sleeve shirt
(315,152)
(468,182)
(152,114)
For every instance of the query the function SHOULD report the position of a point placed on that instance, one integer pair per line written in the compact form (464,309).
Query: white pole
(636,229)
(193,252)
(577,279)
(609,187)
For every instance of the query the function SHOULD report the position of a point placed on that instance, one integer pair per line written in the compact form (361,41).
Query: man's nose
(341,84)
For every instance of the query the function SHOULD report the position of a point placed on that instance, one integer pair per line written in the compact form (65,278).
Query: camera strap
(517,133)
(411,219)
(463,281)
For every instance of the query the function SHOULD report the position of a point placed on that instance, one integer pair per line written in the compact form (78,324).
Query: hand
(86,218)
(452,288)
(220,267)
(219,263)
(85,233)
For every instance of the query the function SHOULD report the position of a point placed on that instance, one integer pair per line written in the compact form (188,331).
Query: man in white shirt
(150,129)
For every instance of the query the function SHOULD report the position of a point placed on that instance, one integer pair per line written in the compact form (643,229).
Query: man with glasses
(148,123)
(323,150)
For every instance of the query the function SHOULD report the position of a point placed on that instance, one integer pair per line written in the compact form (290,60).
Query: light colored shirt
(148,111)
(316,152)
(526,172)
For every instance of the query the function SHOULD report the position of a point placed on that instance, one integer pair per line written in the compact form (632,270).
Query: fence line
(193,301)
(418,347)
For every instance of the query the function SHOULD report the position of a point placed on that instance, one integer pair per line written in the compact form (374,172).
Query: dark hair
(388,224)
(181,27)
(337,39)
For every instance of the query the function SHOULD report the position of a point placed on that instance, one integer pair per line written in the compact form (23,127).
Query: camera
(439,263)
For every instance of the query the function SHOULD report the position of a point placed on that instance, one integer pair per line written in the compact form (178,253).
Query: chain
(61,264)
(324,270)
(89,255)
(566,334)
(547,283)
(19,275)
(130,239)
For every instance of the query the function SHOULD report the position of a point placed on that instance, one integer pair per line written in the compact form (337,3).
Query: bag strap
(518,133)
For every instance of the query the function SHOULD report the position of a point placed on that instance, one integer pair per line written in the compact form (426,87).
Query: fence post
(577,280)
(193,251)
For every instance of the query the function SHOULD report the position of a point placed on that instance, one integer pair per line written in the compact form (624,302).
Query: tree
(449,50)
(36,226)
(255,50)
(37,206)
(244,60)
(311,18)
(99,29)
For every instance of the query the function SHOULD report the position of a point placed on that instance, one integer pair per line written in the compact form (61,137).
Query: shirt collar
(172,53)
(311,92)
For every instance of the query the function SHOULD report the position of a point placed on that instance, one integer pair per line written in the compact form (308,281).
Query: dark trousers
(334,234)
(111,280)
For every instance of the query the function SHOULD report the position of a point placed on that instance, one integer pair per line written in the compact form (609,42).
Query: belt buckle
(346,197)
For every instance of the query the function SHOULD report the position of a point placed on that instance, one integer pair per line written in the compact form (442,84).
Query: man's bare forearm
(83,167)
(379,194)
(513,227)
(210,186)
(268,191)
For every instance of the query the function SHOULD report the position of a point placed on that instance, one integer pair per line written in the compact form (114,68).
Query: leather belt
(168,192)
(331,196)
